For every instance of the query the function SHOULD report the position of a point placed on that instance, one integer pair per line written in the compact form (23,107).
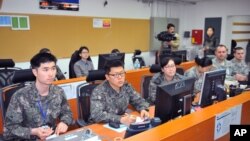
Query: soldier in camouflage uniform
(202,65)
(167,75)
(110,99)
(34,110)
(240,70)
(220,61)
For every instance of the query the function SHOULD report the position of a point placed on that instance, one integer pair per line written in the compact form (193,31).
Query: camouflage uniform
(156,80)
(193,72)
(108,105)
(239,67)
(227,65)
(24,112)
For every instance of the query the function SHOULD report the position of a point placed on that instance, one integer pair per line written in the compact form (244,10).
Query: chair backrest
(84,92)
(7,70)
(74,58)
(140,59)
(145,85)
(6,95)
(20,78)
(180,70)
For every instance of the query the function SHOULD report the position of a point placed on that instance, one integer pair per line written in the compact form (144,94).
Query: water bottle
(137,64)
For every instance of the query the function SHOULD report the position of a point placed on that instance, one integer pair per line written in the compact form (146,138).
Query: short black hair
(42,58)
(165,61)
(170,25)
(203,62)
(82,48)
(44,50)
(238,48)
(111,64)
(211,28)
(115,51)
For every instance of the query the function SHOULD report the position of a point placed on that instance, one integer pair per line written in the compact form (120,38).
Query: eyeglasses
(117,75)
(169,66)
(84,52)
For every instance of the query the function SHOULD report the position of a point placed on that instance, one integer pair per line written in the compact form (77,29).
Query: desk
(132,76)
(196,126)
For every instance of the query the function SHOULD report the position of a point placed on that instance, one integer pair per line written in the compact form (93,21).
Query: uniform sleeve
(245,70)
(92,66)
(77,70)
(13,120)
(176,43)
(97,109)
(66,113)
(136,100)
(152,93)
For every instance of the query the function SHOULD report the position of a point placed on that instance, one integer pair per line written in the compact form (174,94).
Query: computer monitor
(179,54)
(182,54)
(105,58)
(174,99)
(213,87)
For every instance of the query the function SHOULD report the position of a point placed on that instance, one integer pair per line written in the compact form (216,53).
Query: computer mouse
(114,125)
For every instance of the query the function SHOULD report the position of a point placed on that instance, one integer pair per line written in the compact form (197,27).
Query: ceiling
(175,1)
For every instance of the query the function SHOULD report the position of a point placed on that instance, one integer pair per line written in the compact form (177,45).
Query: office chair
(136,55)
(74,58)
(233,46)
(7,69)
(145,81)
(84,92)
(20,78)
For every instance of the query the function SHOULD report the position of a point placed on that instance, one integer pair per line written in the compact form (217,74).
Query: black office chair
(84,92)
(74,58)
(7,69)
(145,82)
(233,46)
(20,78)
(136,55)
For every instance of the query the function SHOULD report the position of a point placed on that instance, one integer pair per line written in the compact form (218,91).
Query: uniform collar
(36,95)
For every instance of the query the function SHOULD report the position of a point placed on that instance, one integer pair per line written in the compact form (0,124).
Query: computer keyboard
(82,134)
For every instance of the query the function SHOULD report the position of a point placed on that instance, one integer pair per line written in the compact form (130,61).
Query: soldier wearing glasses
(167,74)
(110,99)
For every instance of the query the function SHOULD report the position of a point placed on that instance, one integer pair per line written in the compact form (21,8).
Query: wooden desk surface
(196,126)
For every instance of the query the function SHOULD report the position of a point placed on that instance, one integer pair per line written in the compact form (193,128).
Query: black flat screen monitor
(174,99)
(212,87)
(106,58)
(182,54)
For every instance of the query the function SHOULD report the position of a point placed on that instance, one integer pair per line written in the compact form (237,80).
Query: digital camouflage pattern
(109,105)
(156,80)
(23,112)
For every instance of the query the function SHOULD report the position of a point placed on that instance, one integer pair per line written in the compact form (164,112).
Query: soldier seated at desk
(240,70)
(34,110)
(110,99)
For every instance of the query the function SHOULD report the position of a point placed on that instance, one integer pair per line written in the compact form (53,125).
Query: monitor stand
(187,104)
